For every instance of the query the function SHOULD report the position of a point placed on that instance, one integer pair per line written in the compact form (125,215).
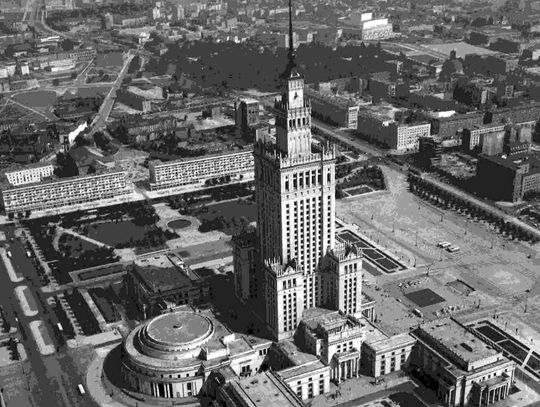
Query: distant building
(29,175)
(467,370)
(508,177)
(379,124)
(134,100)
(129,21)
(383,85)
(486,137)
(448,126)
(64,192)
(366,27)
(193,171)
(339,110)
(246,114)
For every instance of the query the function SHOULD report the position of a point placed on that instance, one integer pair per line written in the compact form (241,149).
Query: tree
(56,82)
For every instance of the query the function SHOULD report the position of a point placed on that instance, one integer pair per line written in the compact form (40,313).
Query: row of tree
(446,200)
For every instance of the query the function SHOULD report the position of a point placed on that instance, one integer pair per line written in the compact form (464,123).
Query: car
(444,245)
(80,387)
(9,254)
(453,249)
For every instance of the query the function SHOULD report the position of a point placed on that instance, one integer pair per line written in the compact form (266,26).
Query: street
(51,380)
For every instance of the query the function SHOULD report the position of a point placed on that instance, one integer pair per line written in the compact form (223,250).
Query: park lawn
(128,234)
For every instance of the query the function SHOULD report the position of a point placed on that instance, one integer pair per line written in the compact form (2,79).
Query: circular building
(172,355)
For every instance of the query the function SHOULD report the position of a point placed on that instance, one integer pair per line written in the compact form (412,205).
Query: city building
(448,125)
(338,110)
(486,137)
(467,370)
(156,289)
(133,100)
(387,355)
(245,262)
(246,114)
(508,177)
(300,264)
(29,174)
(64,192)
(301,371)
(197,170)
(173,354)
(335,338)
(365,27)
(380,124)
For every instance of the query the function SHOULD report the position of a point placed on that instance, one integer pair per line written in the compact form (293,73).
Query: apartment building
(64,192)
(197,170)
(29,175)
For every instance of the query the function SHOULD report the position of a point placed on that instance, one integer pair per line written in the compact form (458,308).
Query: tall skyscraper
(300,263)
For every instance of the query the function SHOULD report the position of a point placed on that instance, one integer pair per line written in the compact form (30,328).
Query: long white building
(198,170)
(29,175)
(64,192)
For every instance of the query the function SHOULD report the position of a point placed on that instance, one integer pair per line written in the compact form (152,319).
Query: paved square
(425,297)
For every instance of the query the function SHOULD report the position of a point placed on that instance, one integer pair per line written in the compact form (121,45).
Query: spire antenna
(290,70)
(291,44)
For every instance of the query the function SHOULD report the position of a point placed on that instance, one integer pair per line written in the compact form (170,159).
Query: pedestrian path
(13,275)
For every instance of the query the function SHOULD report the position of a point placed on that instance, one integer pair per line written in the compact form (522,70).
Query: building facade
(508,177)
(65,192)
(468,371)
(301,267)
(339,110)
(197,170)
(387,355)
(29,175)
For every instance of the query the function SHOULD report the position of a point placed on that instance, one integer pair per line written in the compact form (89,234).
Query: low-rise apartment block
(198,170)
(29,175)
(64,192)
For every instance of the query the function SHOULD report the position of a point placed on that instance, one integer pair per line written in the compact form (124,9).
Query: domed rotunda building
(172,355)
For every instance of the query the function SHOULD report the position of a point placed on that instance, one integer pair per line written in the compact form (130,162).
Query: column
(166,388)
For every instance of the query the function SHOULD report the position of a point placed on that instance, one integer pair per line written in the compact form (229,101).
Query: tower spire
(291,45)
(290,70)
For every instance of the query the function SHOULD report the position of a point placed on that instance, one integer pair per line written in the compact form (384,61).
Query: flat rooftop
(158,279)
(462,49)
(300,370)
(393,342)
(458,340)
(264,390)
(294,354)
(513,161)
